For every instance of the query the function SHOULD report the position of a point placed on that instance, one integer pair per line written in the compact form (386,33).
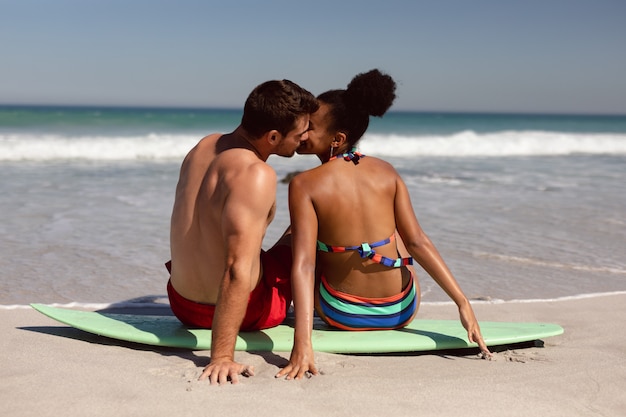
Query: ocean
(521,207)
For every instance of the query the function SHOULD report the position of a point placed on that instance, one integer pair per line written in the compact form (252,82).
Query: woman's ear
(339,140)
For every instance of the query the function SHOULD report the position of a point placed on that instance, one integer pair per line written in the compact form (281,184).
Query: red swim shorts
(268,302)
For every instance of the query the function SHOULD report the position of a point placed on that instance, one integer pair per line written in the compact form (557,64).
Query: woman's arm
(304,238)
(419,245)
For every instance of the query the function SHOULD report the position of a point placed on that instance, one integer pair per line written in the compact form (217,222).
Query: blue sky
(563,56)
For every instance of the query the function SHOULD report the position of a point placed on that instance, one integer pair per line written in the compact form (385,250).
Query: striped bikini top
(365,250)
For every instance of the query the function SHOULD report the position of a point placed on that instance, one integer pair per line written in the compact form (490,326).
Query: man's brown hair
(275,105)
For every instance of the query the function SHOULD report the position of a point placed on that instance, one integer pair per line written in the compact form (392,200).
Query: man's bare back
(202,208)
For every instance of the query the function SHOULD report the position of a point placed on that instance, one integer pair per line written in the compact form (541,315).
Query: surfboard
(419,335)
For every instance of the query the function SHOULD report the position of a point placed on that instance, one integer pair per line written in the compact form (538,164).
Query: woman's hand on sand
(468,319)
(301,363)
(224,370)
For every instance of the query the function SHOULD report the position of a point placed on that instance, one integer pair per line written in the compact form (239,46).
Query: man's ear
(272,137)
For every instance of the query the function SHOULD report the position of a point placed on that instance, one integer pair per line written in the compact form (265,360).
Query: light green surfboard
(420,335)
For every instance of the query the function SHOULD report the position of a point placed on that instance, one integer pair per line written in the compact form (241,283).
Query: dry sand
(49,369)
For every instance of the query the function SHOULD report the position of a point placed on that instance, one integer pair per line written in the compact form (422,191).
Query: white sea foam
(560,265)
(29,147)
(532,300)
(50,147)
(163,304)
(142,302)
(505,143)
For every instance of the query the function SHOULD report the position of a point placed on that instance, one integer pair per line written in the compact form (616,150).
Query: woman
(350,199)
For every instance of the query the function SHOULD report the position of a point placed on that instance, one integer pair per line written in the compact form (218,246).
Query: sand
(49,369)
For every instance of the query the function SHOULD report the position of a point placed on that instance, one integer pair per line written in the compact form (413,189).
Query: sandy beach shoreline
(49,369)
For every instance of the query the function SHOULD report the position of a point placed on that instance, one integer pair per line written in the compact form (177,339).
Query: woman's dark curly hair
(369,94)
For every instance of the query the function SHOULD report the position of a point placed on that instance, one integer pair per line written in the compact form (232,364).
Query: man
(225,199)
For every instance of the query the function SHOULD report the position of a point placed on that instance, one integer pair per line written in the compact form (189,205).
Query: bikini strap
(366,250)
(351,155)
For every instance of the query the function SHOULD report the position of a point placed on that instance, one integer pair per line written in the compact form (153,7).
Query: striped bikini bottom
(351,312)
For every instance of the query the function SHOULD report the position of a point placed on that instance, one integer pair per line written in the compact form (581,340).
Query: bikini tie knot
(366,251)
(352,156)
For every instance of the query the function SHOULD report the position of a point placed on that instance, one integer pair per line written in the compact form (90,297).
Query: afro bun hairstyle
(371,93)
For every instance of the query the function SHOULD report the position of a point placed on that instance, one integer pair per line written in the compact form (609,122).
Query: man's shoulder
(204,145)
(261,170)
(210,140)
(240,165)
(252,181)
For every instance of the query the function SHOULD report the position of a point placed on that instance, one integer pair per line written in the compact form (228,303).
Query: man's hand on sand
(222,371)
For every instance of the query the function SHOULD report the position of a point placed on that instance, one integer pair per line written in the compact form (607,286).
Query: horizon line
(240,109)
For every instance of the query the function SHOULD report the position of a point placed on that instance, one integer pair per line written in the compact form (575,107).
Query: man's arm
(244,220)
